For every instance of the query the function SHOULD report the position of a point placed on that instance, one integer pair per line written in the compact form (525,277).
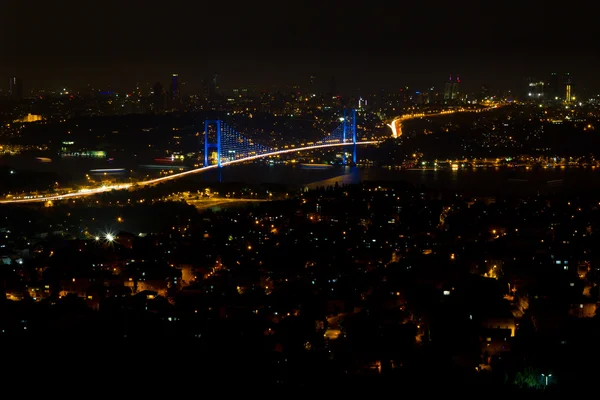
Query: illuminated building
(536,91)
(451,92)
(568,87)
(29,118)
(175,90)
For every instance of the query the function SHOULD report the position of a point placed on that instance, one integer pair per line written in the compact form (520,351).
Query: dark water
(479,181)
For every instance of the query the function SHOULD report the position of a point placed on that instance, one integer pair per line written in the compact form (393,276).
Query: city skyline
(368,48)
(300,197)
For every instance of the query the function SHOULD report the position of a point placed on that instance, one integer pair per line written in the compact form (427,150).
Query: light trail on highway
(123,186)
(396,124)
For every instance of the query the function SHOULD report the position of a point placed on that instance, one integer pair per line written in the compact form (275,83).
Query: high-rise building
(568,93)
(536,90)
(451,92)
(175,90)
(16,88)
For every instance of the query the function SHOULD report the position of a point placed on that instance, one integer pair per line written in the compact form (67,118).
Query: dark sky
(366,44)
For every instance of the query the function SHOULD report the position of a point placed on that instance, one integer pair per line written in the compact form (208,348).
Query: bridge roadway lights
(91,192)
(207,146)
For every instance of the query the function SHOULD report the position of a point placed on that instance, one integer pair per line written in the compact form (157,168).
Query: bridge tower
(345,126)
(349,124)
(208,145)
(354,135)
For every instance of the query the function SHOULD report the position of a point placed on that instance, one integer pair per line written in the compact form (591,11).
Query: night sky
(365,44)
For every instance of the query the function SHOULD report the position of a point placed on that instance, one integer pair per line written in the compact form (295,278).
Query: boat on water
(315,166)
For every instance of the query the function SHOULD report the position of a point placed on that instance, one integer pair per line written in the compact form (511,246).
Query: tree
(529,378)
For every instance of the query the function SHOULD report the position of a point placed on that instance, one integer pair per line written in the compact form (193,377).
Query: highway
(396,124)
(214,202)
(123,186)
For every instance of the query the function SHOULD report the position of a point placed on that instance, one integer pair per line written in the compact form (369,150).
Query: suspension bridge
(224,146)
(232,146)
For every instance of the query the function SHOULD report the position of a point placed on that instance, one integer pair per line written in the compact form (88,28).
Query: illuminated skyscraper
(16,88)
(568,87)
(536,90)
(451,92)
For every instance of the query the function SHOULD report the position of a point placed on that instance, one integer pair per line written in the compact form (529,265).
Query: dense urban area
(381,282)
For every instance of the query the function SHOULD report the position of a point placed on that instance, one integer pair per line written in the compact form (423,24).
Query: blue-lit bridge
(232,146)
(228,148)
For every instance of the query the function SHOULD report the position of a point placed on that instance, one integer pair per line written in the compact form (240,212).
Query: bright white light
(97,238)
(394,128)
(110,237)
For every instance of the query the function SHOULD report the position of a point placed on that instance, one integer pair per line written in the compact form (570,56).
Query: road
(208,202)
(396,124)
(212,202)
(124,186)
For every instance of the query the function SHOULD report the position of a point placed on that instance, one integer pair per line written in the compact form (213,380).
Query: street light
(546,376)
(110,237)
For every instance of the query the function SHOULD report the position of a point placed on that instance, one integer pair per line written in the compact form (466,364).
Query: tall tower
(568,87)
(451,92)
(16,88)
(455,89)
(175,90)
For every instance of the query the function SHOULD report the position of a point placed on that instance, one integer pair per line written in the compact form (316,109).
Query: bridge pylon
(349,126)
(354,136)
(208,145)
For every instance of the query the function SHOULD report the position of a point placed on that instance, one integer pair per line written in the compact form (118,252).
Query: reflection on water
(480,181)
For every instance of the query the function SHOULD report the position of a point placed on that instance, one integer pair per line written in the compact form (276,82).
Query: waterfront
(475,181)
